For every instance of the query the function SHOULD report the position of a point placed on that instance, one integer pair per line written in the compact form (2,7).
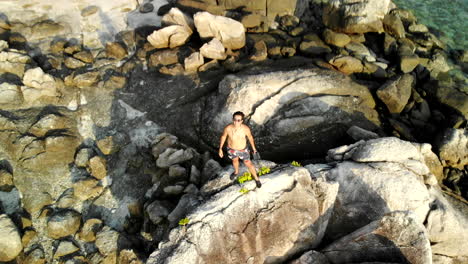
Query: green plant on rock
(245,177)
(244,190)
(296,164)
(263,170)
(184,221)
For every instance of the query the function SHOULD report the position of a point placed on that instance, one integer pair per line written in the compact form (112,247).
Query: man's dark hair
(239,113)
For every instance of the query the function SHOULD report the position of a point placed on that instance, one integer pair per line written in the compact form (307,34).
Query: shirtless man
(237,145)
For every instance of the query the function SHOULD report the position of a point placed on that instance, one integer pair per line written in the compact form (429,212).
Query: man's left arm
(251,139)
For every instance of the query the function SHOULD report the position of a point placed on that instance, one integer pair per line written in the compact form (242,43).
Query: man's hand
(220,153)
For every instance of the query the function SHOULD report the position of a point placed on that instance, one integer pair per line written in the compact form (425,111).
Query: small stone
(128,256)
(6,181)
(213,64)
(146,8)
(157,211)
(297,31)
(97,167)
(87,79)
(113,83)
(89,230)
(10,240)
(418,28)
(73,48)
(213,50)
(63,223)
(177,17)
(115,50)
(177,171)
(73,63)
(66,200)
(347,64)
(313,45)
(106,241)
(336,39)
(3,45)
(261,51)
(27,236)
(164,57)
(36,256)
(174,69)
(58,46)
(65,248)
(87,189)
(82,157)
(84,56)
(36,203)
(106,145)
(192,62)
(409,62)
(393,25)
(170,37)
(89,10)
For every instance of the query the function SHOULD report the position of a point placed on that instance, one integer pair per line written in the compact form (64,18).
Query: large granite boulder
(238,227)
(387,174)
(91,23)
(296,104)
(358,16)
(229,31)
(396,237)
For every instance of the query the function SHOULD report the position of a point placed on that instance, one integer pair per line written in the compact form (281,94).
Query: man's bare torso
(237,137)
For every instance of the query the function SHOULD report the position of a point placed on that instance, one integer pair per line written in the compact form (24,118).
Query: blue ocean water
(449,17)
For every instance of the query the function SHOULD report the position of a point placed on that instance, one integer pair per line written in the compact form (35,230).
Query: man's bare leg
(235,164)
(252,170)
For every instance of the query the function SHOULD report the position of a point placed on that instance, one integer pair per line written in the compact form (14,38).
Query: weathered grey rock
(177,17)
(211,169)
(396,93)
(356,16)
(393,25)
(255,226)
(335,38)
(170,37)
(230,32)
(393,238)
(347,64)
(312,45)
(106,241)
(177,172)
(358,133)
(173,156)
(195,175)
(89,230)
(63,223)
(65,248)
(311,256)
(10,240)
(35,256)
(157,211)
(192,62)
(213,50)
(387,171)
(261,51)
(452,148)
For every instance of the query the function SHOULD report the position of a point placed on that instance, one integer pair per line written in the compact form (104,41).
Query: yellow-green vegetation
(263,171)
(184,221)
(296,164)
(244,190)
(245,177)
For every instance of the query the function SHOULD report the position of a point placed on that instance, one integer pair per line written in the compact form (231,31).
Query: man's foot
(233,176)
(258,183)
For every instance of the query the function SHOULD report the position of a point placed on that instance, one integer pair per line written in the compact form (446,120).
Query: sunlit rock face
(92,23)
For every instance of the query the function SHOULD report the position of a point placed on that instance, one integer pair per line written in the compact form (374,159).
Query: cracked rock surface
(268,225)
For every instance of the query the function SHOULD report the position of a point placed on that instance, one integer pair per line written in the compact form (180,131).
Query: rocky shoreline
(107,134)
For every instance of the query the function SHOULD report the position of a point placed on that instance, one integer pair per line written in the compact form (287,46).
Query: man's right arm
(222,141)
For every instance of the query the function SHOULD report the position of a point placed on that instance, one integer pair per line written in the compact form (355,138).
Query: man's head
(238,118)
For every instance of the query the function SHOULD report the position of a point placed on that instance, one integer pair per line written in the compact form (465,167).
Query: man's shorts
(243,154)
